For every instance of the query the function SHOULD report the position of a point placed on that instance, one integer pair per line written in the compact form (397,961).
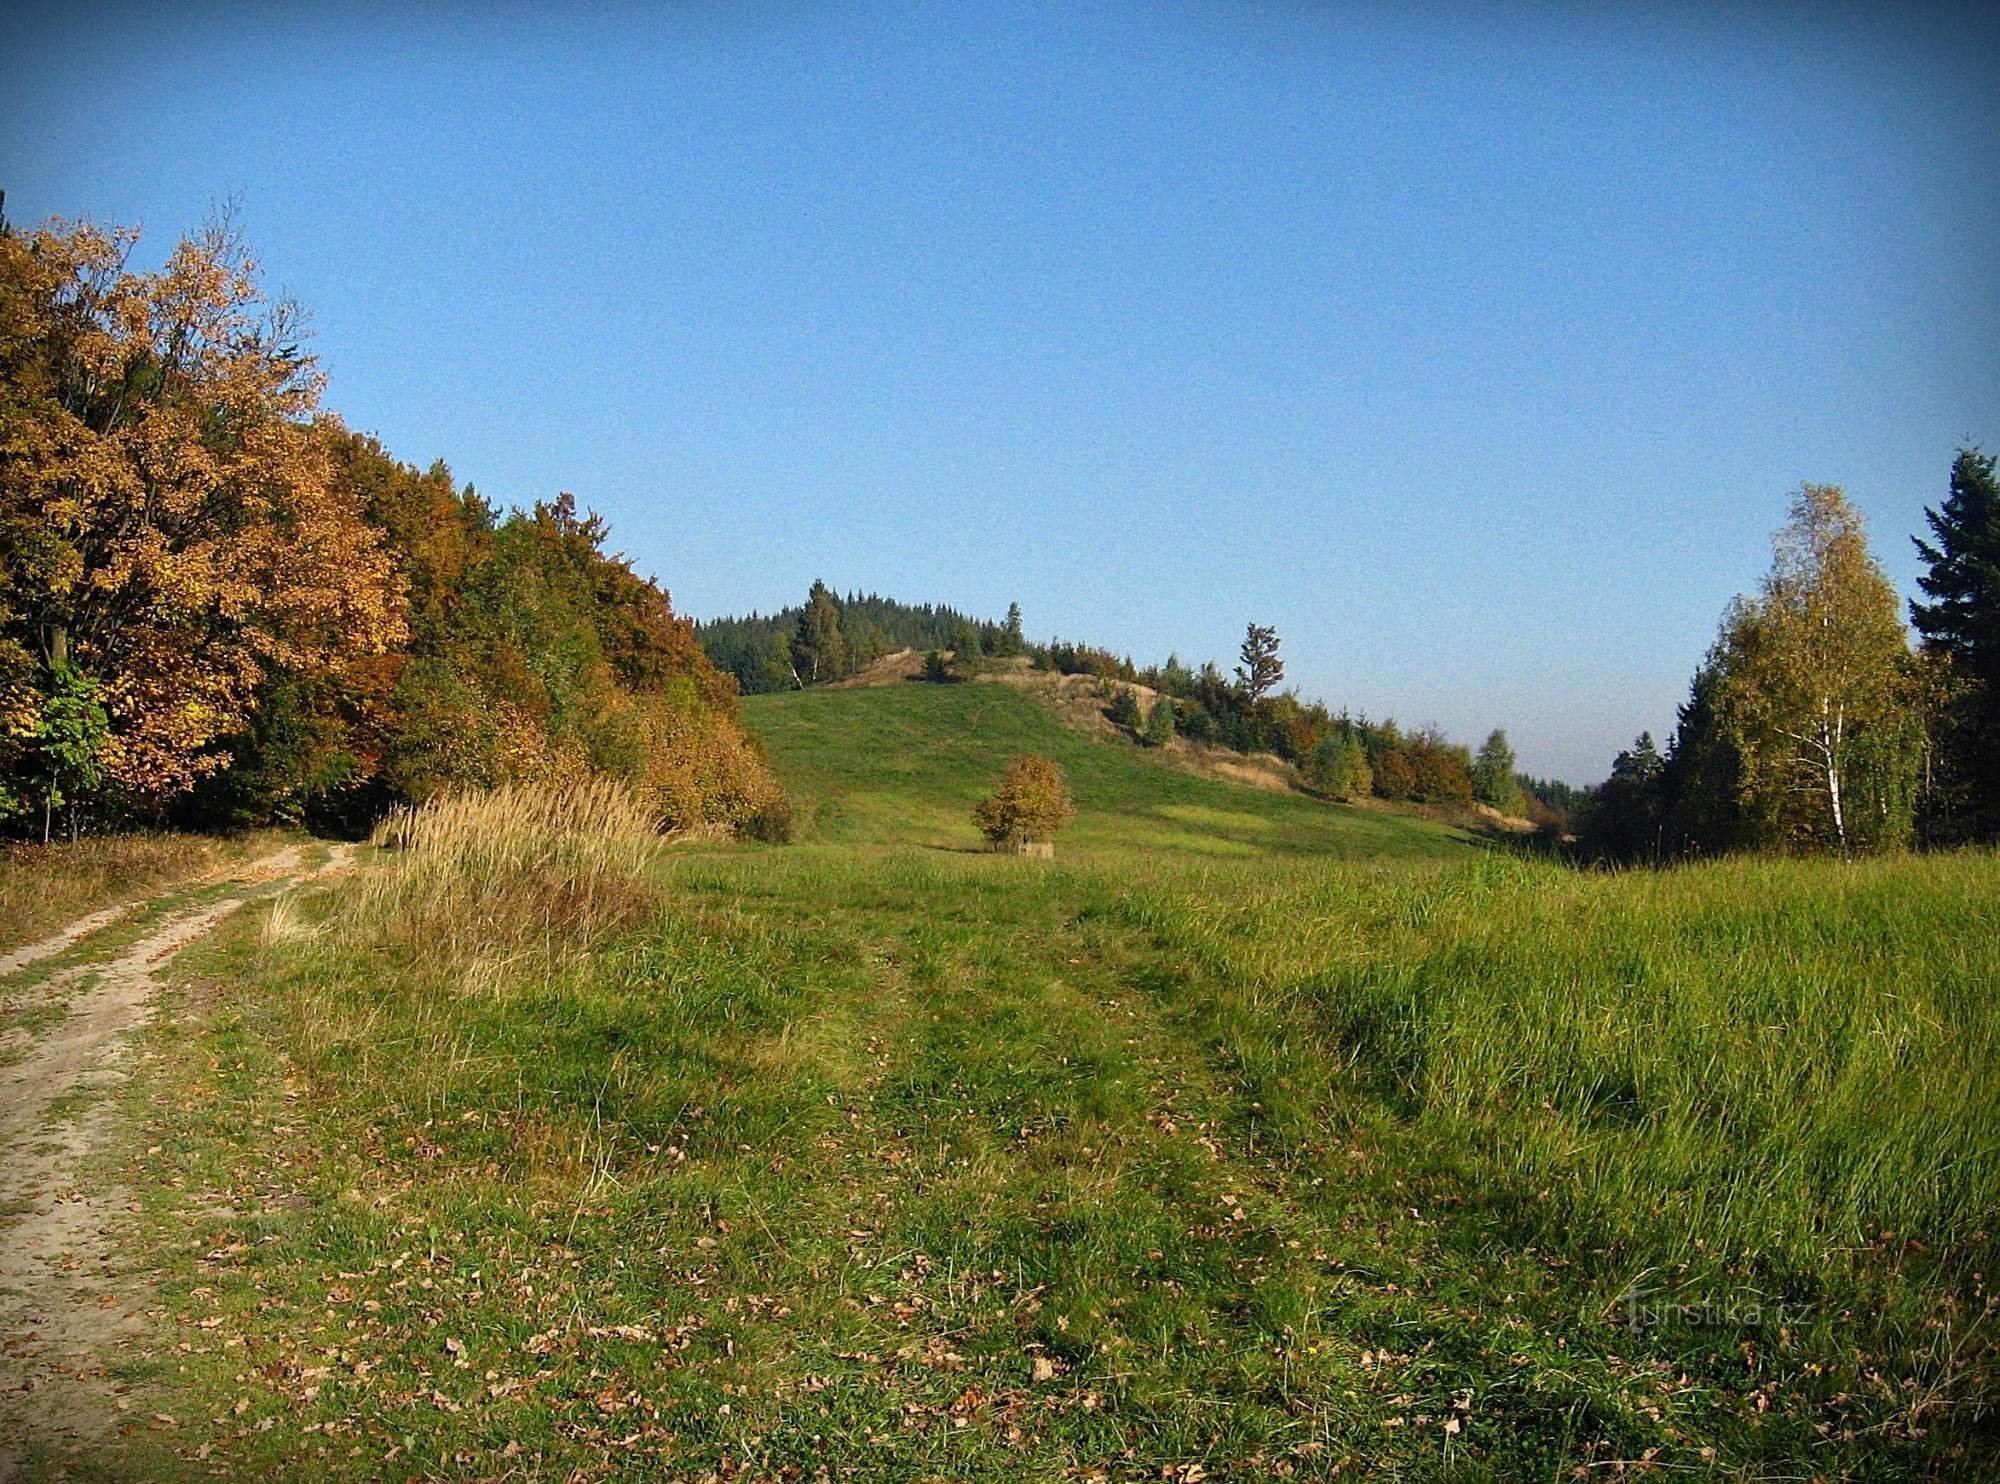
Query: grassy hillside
(903,764)
(1221,1147)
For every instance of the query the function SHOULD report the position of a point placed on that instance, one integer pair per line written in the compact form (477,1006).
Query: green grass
(880,1157)
(902,765)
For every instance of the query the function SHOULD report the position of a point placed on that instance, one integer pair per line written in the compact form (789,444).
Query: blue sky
(1476,348)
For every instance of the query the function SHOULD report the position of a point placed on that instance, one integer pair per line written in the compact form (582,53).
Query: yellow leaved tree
(172,530)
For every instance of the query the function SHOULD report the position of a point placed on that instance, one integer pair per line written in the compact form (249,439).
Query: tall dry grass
(519,866)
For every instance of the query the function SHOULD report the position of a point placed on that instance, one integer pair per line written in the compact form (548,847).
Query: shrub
(1125,710)
(1338,766)
(1031,803)
(773,822)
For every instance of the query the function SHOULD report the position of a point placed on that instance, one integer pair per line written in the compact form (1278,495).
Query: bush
(1031,803)
(774,822)
(1338,766)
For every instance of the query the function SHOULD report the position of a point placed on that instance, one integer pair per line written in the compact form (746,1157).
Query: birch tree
(1814,686)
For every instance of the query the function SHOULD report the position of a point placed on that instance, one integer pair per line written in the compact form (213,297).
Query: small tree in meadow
(935,669)
(1030,805)
(1160,724)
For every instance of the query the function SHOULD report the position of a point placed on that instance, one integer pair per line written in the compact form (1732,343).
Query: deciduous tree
(1494,775)
(170,523)
(1031,803)
(1814,687)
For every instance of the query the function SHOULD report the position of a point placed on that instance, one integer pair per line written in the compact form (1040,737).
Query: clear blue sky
(1475,348)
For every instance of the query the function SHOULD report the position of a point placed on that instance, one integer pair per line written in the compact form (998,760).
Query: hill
(902,765)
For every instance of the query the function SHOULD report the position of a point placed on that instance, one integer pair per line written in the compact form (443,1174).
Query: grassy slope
(1196,1148)
(903,764)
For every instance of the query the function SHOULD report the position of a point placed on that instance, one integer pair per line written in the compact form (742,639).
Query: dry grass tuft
(521,866)
(284,923)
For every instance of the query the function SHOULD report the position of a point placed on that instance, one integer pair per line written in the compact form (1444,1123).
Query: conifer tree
(1261,669)
(1012,639)
(1960,626)
(1160,723)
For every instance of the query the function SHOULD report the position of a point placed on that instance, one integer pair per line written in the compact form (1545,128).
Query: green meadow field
(1252,1138)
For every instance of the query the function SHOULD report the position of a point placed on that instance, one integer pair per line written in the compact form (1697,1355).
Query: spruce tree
(1160,724)
(1012,638)
(1961,626)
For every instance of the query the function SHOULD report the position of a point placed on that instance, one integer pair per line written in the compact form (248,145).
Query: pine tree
(1622,819)
(1261,669)
(1338,765)
(1961,627)
(1160,724)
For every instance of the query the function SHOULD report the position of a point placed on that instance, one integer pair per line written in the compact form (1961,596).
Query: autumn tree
(172,535)
(1031,803)
(1394,775)
(1260,669)
(1960,626)
(1814,686)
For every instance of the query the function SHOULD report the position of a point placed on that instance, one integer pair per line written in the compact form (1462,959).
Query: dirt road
(64,1308)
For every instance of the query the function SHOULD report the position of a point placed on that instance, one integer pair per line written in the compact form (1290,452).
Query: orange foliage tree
(171,526)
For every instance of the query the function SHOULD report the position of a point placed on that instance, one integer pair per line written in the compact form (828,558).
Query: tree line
(827,638)
(1813,723)
(219,607)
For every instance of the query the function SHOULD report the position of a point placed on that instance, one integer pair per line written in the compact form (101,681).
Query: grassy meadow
(1252,1138)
